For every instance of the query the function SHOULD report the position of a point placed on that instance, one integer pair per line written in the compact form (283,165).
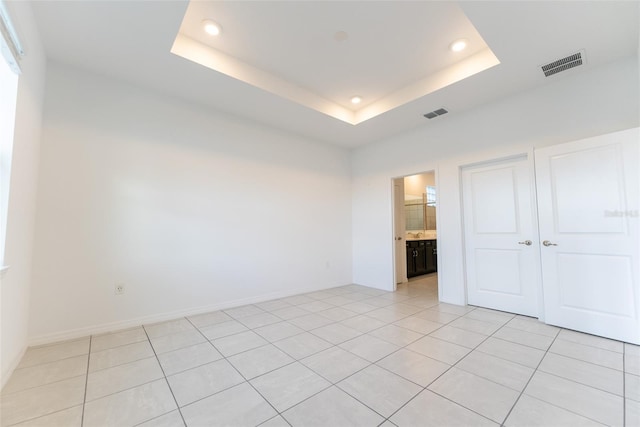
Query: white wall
(15,282)
(189,208)
(416,185)
(569,107)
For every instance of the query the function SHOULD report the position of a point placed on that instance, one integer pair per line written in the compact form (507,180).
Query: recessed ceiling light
(458,45)
(356,100)
(211,27)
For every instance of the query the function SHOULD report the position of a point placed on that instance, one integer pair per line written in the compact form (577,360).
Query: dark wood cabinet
(421,257)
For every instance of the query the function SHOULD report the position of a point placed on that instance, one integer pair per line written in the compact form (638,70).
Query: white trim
(161,317)
(12,367)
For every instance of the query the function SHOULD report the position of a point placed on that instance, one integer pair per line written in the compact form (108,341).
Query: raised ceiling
(321,57)
(392,48)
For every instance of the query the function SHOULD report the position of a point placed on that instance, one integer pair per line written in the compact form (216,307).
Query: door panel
(608,277)
(498,213)
(508,262)
(576,208)
(588,207)
(494,191)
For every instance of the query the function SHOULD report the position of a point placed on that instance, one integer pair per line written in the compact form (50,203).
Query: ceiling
(295,65)
(326,55)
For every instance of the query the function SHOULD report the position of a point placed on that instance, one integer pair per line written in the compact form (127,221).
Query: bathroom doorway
(415,232)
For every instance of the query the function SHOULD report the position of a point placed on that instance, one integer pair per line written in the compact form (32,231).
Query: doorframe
(530,159)
(403,254)
(434,170)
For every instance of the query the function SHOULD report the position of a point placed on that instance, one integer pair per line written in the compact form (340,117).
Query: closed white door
(502,264)
(588,217)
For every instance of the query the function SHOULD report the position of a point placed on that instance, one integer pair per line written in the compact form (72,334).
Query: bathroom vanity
(422,256)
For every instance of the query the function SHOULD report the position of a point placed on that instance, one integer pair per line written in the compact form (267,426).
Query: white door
(588,216)
(502,264)
(399,230)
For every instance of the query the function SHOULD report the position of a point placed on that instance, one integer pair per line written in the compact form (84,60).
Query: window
(431,195)
(9,71)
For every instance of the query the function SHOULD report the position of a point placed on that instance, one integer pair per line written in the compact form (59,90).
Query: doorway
(415,232)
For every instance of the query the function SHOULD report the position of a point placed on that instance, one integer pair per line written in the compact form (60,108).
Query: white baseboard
(12,367)
(160,317)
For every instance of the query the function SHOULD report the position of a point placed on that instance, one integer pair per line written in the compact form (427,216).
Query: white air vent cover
(563,64)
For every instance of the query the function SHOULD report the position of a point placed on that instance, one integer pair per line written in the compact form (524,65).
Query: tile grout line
(375,363)
(392,323)
(426,388)
(332,384)
(422,309)
(239,373)
(86,383)
(566,379)
(46,363)
(551,374)
(530,378)
(148,339)
(624,385)
(164,375)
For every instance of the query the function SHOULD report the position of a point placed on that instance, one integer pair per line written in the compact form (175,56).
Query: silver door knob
(526,242)
(548,243)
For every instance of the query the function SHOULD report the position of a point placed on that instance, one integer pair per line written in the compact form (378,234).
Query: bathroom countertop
(429,236)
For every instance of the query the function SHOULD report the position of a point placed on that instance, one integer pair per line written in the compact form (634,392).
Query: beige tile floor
(348,356)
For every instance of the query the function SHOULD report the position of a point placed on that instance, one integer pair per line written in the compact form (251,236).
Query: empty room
(319,213)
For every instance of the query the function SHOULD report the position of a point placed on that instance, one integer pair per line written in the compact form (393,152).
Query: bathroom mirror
(420,202)
(420,211)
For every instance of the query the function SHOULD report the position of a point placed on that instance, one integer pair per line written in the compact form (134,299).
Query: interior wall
(192,210)
(570,107)
(415,184)
(15,282)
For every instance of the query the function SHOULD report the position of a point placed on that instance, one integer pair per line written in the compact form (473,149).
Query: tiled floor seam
(42,385)
(461,359)
(86,382)
(529,380)
(362,403)
(586,385)
(423,335)
(120,364)
(239,373)
(586,361)
(624,386)
(508,360)
(548,350)
(122,345)
(154,418)
(592,346)
(165,375)
(51,361)
(594,336)
(426,388)
(334,384)
(275,416)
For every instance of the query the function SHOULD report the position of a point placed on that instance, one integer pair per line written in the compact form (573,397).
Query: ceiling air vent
(563,64)
(436,113)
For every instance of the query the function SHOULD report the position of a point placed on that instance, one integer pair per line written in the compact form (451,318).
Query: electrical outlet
(119,289)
